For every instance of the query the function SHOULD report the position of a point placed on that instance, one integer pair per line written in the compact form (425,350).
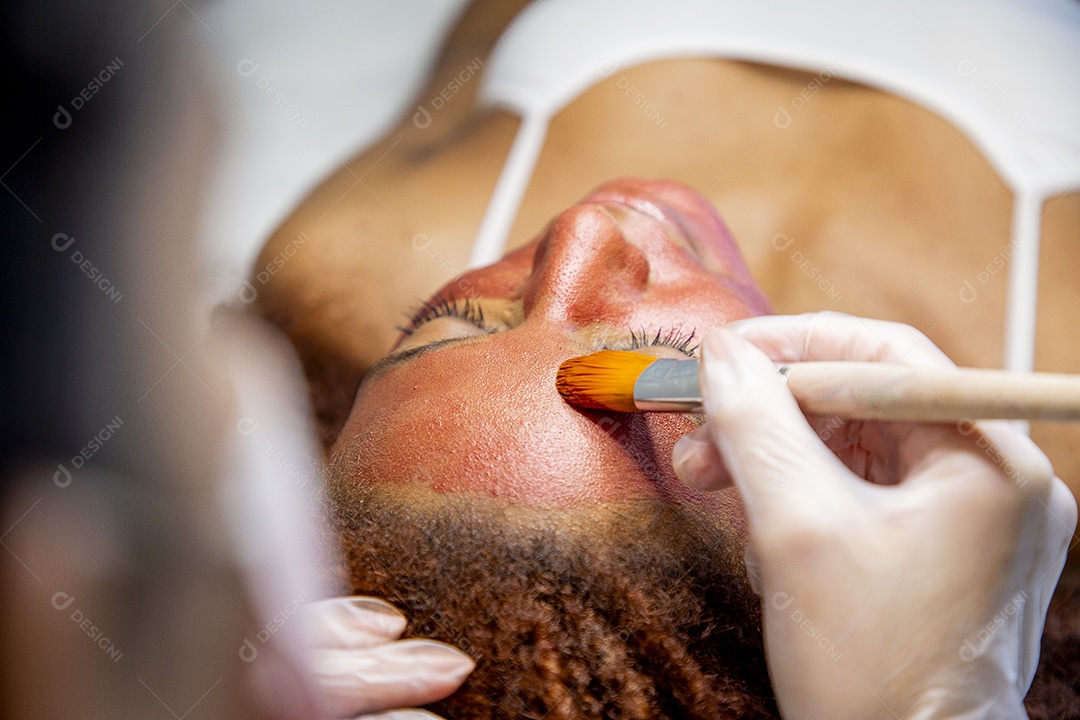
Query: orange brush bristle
(603,380)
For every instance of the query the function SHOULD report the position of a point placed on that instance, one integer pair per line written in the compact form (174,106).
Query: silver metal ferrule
(669,385)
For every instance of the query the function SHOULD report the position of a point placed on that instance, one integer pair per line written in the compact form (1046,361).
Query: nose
(585,269)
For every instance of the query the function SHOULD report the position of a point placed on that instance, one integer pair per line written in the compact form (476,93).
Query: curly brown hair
(637,610)
(629,610)
(1055,692)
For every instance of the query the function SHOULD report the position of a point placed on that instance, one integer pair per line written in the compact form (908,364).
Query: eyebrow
(393,360)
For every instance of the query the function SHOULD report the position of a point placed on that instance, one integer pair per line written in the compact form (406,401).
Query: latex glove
(359,667)
(920,593)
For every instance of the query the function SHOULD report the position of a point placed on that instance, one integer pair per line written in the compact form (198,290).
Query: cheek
(550,456)
(698,304)
(653,435)
(446,425)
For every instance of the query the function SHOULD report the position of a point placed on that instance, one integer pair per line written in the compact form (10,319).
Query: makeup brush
(633,382)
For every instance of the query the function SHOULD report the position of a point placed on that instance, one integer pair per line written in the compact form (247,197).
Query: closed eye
(467,310)
(674,338)
(403,356)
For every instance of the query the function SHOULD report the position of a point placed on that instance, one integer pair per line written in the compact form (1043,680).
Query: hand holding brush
(635,382)
(904,568)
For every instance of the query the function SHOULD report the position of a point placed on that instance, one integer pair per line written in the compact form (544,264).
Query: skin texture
(866,204)
(481,413)
(882,201)
(464,489)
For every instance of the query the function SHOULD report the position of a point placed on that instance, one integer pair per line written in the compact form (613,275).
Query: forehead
(486,412)
(484,418)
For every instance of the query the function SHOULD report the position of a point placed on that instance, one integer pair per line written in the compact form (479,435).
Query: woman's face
(467,399)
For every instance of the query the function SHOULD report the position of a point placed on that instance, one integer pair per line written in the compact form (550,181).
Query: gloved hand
(359,667)
(904,569)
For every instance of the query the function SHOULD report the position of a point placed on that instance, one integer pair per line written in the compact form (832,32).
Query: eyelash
(673,338)
(470,311)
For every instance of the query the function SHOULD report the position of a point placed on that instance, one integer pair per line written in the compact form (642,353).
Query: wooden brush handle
(884,391)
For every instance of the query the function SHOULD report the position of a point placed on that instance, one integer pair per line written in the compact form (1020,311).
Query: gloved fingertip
(377,611)
(438,657)
(697,463)
(352,622)
(684,456)
(377,616)
(399,674)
